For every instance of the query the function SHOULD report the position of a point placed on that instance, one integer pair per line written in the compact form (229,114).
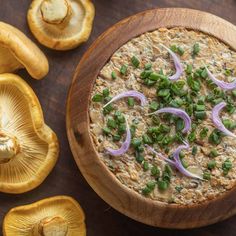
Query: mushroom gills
(28,147)
(54,216)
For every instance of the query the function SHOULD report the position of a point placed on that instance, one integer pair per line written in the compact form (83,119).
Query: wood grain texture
(98,176)
(101,220)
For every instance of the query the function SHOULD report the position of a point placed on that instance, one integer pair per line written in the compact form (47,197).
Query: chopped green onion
(203,132)
(173,48)
(215,137)
(145,74)
(106,130)
(189,69)
(105,92)
(196,49)
(213,153)
(97,98)
(228,72)
(211,164)
(226,166)
(155,171)
(147,139)
(116,137)
(123,69)
(180,51)
(148,66)
(204,73)
(130,102)
(207,175)
(139,157)
(179,125)
(121,128)
(178,188)
(162,185)
(135,61)
(136,142)
(192,137)
(200,107)
(113,75)
(107,109)
(194,150)
(164,128)
(163,93)
(153,106)
(145,166)
(200,115)
(111,123)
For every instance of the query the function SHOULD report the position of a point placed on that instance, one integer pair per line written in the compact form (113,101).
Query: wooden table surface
(66,179)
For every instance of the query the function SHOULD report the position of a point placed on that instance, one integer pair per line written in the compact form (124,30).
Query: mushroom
(28,147)
(61,24)
(17,51)
(55,216)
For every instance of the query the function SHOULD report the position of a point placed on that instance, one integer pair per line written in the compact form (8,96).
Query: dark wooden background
(66,179)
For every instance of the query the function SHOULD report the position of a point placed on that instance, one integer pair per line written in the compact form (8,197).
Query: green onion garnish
(113,75)
(111,123)
(196,49)
(123,69)
(211,164)
(135,61)
(226,166)
(148,66)
(130,102)
(105,92)
(97,98)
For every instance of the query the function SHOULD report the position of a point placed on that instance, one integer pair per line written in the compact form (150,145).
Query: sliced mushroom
(61,24)
(17,51)
(28,147)
(55,216)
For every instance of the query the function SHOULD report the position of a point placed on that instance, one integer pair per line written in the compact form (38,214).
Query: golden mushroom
(28,147)
(17,51)
(61,24)
(55,216)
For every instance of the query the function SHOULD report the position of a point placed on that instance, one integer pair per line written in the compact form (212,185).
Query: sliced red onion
(160,155)
(125,145)
(131,93)
(178,66)
(220,83)
(176,162)
(217,121)
(178,112)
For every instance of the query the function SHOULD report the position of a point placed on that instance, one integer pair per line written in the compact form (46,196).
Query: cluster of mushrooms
(28,147)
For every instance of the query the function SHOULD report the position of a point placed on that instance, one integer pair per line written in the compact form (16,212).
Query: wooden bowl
(93,169)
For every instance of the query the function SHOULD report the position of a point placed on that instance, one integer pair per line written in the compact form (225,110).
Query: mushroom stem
(9,147)
(50,226)
(55,11)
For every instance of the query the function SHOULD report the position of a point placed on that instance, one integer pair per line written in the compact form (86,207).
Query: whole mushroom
(61,24)
(17,51)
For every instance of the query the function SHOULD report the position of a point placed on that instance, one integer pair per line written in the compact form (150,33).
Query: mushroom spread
(28,147)
(61,24)
(162,116)
(55,216)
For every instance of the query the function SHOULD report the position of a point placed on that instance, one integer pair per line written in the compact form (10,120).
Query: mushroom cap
(61,35)
(18,51)
(63,210)
(21,118)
